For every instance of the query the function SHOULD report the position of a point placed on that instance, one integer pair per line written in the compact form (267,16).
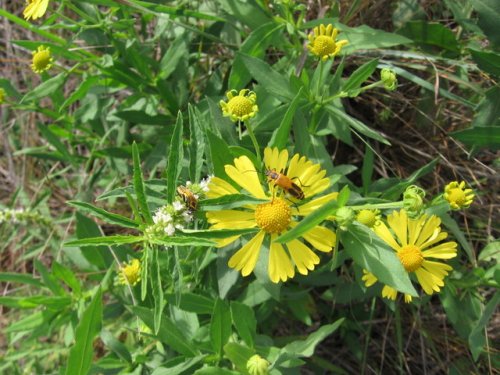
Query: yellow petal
(390,293)
(226,241)
(321,238)
(231,219)
(430,230)
(218,188)
(313,205)
(445,250)
(383,232)
(369,278)
(244,174)
(280,266)
(302,256)
(244,260)
(398,222)
(431,274)
(414,228)
(434,239)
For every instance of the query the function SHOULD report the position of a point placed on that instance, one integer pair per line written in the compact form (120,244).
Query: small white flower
(204,183)
(179,226)
(187,217)
(178,206)
(170,229)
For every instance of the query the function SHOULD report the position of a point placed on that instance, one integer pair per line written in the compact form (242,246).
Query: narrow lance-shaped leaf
(157,290)
(220,326)
(282,133)
(139,186)
(197,145)
(105,215)
(175,156)
(80,355)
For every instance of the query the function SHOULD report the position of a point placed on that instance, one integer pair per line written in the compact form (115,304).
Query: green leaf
(177,50)
(179,369)
(80,354)
(31,322)
(104,241)
(54,141)
(65,274)
(433,34)
(282,134)
(309,222)
(22,278)
(196,143)
(80,91)
(488,109)
(220,154)
(169,333)
(141,117)
(239,355)
(367,169)
(174,160)
(213,234)
(480,136)
(192,302)
(182,241)
(477,340)
(116,346)
(105,215)
(360,75)
(229,201)
(139,186)
(49,279)
(157,290)
(374,255)
(489,14)
(215,371)
(45,88)
(487,61)
(220,326)
(272,81)
(244,320)
(343,196)
(50,302)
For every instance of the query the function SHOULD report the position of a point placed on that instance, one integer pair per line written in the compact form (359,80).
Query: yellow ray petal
(244,174)
(302,256)
(226,241)
(398,222)
(445,250)
(218,188)
(414,228)
(232,218)
(244,260)
(434,239)
(389,292)
(383,232)
(369,278)
(438,269)
(280,266)
(321,238)
(313,205)
(429,231)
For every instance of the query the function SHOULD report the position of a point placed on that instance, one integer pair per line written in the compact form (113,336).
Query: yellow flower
(322,42)
(35,9)
(415,241)
(275,216)
(130,273)
(457,195)
(240,106)
(42,60)
(370,218)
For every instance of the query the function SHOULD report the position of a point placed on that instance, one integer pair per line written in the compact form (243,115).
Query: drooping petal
(389,292)
(369,278)
(244,260)
(280,266)
(309,207)
(431,275)
(383,232)
(218,188)
(244,174)
(303,257)
(321,238)
(445,250)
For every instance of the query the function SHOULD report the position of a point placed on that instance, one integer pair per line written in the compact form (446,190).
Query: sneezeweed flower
(35,9)
(413,201)
(415,241)
(275,216)
(389,79)
(42,60)
(130,273)
(457,195)
(323,43)
(256,365)
(240,106)
(370,218)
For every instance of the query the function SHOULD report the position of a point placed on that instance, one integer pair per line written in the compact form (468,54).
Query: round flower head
(389,79)
(130,273)
(35,9)
(256,365)
(42,60)
(240,106)
(415,241)
(457,195)
(370,218)
(275,216)
(323,43)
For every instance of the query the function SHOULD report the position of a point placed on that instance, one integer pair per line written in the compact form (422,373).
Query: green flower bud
(389,78)
(257,365)
(344,217)
(413,201)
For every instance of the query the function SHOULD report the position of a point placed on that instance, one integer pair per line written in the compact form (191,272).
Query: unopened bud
(257,365)
(413,200)
(389,78)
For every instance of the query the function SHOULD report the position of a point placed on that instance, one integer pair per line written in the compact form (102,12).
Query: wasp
(285,183)
(188,197)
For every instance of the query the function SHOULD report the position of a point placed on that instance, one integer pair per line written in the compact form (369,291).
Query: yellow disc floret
(42,60)
(240,106)
(457,195)
(130,273)
(323,42)
(411,257)
(273,217)
(368,217)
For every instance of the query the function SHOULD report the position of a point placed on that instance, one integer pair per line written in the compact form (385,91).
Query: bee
(188,197)
(285,183)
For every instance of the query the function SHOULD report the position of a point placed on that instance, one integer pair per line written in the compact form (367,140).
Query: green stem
(321,67)
(378,206)
(368,336)
(254,141)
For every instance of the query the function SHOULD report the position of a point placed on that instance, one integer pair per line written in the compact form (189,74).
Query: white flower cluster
(20,215)
(167,219)
(199,189)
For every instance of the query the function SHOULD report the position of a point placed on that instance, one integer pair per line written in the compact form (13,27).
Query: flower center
(411,257)
(41,60)
(240,106)
(457,195)
(273,217)
(132,272)
(367,217)
(324,45)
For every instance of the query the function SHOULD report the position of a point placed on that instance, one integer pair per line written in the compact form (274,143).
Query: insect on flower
(285,183)
(188,197)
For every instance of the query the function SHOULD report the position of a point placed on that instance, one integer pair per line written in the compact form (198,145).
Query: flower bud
(344,217)
(413,201)
(389,78)
(257,365)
